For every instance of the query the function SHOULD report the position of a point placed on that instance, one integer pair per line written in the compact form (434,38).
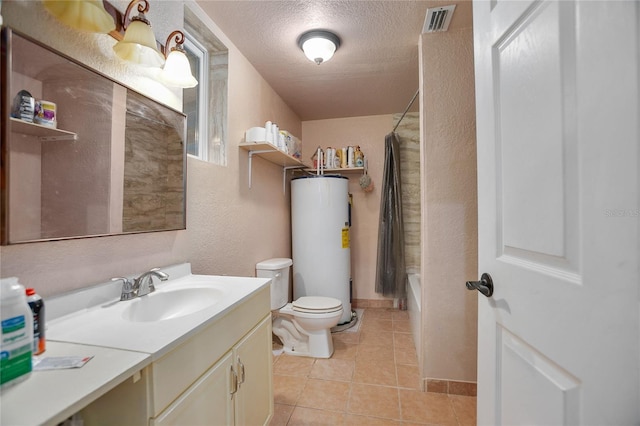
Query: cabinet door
(254,399)
(207,402)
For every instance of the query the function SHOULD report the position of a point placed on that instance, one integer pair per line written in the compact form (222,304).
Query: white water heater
(320,222)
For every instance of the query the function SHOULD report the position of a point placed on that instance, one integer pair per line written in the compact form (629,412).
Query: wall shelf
(272,154)
(44,133)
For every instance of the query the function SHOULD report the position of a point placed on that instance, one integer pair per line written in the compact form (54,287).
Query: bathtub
(414,297)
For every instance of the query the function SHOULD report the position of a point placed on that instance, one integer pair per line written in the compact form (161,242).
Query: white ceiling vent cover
(438,19)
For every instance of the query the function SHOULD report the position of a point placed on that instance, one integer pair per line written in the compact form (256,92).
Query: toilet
(304,325)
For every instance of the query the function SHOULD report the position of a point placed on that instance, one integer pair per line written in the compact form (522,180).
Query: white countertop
(105,325)
(49,397)
(93,322)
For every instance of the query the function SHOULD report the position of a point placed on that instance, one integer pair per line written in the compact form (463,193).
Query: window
(194,103)
(206,104)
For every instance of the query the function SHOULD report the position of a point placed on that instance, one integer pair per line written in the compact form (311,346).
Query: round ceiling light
(319,45)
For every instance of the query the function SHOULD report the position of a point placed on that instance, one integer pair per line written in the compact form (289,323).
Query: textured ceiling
(375,70)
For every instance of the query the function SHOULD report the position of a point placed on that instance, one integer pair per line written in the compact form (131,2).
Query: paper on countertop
(59,362)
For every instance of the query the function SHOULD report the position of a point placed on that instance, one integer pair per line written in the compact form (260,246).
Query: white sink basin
(170,304)
(154,323)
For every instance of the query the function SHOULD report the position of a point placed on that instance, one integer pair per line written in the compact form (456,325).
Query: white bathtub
(414,296)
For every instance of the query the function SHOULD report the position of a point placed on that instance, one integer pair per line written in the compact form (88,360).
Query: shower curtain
(391,275)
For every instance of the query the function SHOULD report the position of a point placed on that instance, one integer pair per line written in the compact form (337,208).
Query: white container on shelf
(255,134)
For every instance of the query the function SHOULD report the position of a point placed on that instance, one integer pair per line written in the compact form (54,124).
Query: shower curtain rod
(407,109)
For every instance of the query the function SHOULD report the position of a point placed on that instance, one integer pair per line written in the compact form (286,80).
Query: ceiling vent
(438,19)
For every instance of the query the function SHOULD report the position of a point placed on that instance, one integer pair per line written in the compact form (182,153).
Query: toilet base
(299,342)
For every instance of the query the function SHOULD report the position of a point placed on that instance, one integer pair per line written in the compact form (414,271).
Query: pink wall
(367,132)
(449,206)
(229,227)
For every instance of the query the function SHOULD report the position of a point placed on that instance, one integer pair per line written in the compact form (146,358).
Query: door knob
(484,286)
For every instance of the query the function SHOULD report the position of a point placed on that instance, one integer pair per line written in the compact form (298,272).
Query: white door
(558,156)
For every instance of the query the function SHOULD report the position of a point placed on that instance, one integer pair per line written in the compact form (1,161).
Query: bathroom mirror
(112,162)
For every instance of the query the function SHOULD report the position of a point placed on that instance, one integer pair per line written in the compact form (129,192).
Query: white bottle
(350,157)
(16,333)
(268,126)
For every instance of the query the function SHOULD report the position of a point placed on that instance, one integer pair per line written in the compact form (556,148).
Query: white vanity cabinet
(236,390)
(254,373)
(220,375)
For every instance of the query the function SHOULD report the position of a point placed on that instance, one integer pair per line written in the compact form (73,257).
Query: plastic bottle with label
(16,333)
(37,308)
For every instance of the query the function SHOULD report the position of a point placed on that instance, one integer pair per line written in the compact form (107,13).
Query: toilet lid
(316,304)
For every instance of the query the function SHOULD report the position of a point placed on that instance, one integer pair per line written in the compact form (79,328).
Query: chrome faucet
(127,288)
(143,285)
(140,286)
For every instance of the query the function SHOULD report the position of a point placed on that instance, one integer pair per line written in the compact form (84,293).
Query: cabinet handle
(234,381)
(241,371)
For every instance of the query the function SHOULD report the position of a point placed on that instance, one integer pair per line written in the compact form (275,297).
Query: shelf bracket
(251,157)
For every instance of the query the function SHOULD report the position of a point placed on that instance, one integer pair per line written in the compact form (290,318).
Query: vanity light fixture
(177,70)
(84,15)
(319,45)
(139,43)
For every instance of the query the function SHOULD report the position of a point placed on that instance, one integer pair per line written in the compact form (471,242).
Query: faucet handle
(127,288)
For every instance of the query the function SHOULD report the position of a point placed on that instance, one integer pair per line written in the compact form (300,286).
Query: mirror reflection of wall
(153,167)
(90,173)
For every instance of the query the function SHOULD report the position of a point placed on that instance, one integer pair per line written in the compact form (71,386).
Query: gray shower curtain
(390,270)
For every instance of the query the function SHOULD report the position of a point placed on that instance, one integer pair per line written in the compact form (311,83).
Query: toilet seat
(316,305)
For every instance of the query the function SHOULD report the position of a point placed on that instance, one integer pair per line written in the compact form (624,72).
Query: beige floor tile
(375,373)
(372,379)
(281,414)
(293,365)
(344,349)
(425,407)
(402,326)
(311,417)
(376,338)
(406,356)
(408,376)
(287,389)
(400,315)
(374,401)
(333,369)
(377,325)
(403,340)
(355,420)
(379,354)
(346,337)
(380,313)
(325,395)
(465,409)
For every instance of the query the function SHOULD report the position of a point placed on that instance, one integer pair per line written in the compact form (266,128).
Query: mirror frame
(6,50)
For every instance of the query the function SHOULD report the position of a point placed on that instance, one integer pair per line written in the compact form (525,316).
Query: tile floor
(371,379)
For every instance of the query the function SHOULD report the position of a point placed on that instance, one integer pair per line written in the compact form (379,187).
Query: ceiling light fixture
(139,43)
(177,70)
(319,45)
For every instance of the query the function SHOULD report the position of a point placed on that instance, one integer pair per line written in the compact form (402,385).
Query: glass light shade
(318,49)
(139,45)
(84,15)
(177,71)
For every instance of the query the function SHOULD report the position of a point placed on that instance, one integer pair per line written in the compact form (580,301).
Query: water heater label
(345,237)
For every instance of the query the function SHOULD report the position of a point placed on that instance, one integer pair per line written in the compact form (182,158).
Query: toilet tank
(278,270)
